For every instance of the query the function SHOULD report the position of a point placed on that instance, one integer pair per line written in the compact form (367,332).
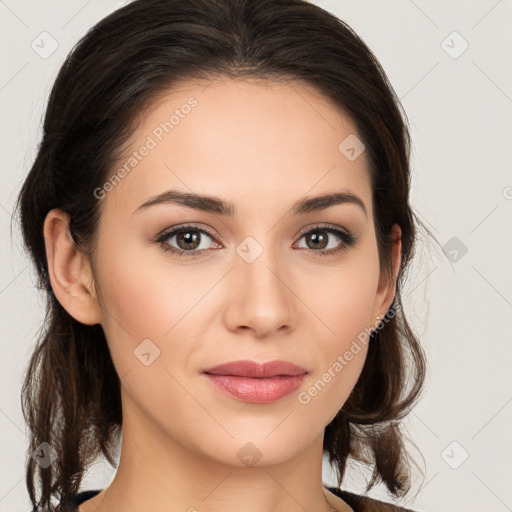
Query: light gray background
(459,106)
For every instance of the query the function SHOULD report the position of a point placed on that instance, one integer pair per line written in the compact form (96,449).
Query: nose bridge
(258,263)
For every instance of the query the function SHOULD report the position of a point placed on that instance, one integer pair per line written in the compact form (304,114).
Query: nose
(262,300)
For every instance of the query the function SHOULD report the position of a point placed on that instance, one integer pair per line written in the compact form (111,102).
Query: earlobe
(69,270)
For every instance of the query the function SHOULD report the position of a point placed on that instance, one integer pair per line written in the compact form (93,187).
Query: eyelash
(348,240)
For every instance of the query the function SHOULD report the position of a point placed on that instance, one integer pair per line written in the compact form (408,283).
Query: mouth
(255,382)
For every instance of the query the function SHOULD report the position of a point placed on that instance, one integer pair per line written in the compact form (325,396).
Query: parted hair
(71,396)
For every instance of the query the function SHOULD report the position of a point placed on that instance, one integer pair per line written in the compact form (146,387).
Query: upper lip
(253,369)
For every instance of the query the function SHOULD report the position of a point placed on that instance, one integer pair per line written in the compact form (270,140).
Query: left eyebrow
(219,206)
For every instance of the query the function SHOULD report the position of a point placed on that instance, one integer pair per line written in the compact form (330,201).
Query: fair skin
(262,146)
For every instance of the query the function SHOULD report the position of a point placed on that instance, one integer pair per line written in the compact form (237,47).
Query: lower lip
(257,390)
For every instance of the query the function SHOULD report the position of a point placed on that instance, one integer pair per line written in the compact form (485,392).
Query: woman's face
(251,283)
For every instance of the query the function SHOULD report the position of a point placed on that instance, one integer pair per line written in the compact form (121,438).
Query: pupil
(317,237)
(188,239)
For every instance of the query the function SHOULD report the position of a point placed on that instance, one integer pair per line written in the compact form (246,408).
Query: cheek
(140,301)
(343,298)
(135,301)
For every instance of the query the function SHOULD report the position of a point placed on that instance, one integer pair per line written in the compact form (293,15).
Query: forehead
(242,140)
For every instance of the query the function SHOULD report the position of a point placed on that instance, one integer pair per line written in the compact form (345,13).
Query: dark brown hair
(71,391)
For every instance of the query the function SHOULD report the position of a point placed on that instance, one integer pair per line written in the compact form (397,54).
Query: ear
(387,286)
(69,270)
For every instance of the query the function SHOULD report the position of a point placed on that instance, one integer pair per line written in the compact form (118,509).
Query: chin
(256,448)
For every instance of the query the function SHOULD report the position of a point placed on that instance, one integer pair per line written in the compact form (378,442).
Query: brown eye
(319,238)
(185,240)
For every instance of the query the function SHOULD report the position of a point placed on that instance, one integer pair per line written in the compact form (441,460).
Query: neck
(156,472)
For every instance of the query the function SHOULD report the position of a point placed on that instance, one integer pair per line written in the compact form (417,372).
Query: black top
(358,503)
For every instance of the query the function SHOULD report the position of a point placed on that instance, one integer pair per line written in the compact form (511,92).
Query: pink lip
(255,382)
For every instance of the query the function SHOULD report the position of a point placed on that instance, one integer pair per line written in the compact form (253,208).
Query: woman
(219,215)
